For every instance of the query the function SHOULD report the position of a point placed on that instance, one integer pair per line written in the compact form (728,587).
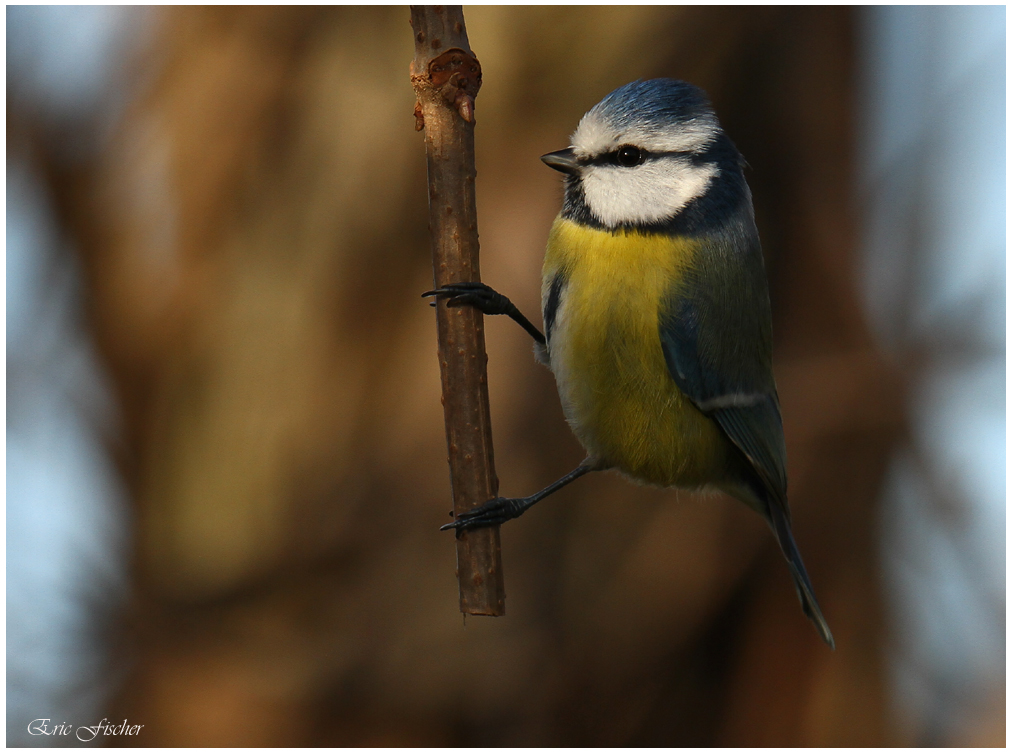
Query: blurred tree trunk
(255,240)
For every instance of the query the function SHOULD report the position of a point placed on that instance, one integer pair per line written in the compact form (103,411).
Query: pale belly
(605,352)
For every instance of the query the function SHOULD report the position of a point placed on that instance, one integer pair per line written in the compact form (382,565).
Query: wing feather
(715,331)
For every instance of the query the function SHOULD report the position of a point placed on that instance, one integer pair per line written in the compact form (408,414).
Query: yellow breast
(605,351)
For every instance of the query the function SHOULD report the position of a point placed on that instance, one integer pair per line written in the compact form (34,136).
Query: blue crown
(659,102)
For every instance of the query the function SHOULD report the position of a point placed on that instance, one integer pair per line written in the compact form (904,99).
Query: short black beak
(564,161)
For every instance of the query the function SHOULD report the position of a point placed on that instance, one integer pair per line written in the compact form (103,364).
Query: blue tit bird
(657,312)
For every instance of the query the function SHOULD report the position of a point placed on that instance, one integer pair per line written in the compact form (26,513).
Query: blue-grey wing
(715,331)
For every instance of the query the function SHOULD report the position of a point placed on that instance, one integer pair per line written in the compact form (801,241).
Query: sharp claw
(451,297)
(492,513)
(463,522)
(451,289)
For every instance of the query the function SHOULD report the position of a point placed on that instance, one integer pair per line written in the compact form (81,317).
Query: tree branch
(446,77)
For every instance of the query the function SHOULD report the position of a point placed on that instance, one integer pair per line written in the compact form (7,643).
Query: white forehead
(598,134)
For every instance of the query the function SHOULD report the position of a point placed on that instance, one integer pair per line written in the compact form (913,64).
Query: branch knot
(456,74)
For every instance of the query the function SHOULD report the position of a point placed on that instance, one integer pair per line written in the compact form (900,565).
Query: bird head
(643,153)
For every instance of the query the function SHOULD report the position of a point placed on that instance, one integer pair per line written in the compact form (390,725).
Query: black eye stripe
(611,158)
(628,156)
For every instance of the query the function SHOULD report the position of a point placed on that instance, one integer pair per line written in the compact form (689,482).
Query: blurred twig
(446,77)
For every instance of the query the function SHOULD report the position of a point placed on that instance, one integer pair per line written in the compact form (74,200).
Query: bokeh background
(225,454)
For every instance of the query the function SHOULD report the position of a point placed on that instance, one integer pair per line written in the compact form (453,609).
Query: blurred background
(225,456)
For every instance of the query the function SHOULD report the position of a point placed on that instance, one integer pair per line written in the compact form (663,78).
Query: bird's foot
(492,513)
(478,295)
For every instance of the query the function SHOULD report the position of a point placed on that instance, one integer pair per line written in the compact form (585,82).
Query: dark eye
(629,156)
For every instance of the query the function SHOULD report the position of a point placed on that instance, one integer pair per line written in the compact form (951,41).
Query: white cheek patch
(654,191)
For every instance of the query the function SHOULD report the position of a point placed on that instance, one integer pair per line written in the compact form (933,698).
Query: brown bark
(446,77)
